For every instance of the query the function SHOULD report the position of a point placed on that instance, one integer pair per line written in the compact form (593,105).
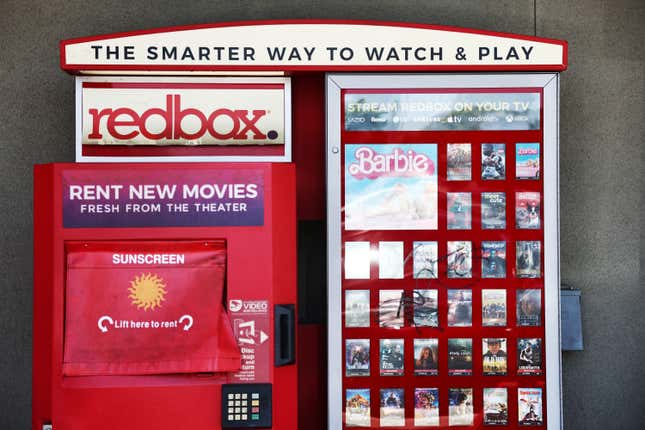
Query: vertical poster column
(441,233)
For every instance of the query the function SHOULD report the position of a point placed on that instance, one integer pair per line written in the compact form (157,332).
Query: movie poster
(357,357)
(527,161)
(426,407)
(460,308)
(460,409)
(529,356)
(391,308)
(529,404)
(425,256)
(495,406)
(493,161)
(459,162)
(493,308)
(391,357)
(357,260)
(493,207)
(357,308)
(527,210)
(460,259)
(460,357)
(426,357)
(357,407)
(529,308)
(392,407)
(493,259)
(528,259)
(494,356)
(426,310)
(459,211)
(390,260)
(391,187)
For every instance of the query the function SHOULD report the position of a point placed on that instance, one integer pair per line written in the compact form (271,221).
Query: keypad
(246,405)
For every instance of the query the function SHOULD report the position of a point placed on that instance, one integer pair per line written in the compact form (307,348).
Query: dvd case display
(493,210)
(493,161)
(529,308)
(493,259)
(460,308)
(460,408)
(426,357)
(460,357)
(459,162)
(529,405)
(495,406)
(391,357)
(460,259)
(459,215)
(357,260)
(494,356)
(527,210)
(425,256)
(392,407)
(390,260)
(529,356)
(426,407)
(357,357)
(493,308)
(391,308)
(527,161)
(444,233)
(357,407)
(426,309)
(357,308)
(528,259)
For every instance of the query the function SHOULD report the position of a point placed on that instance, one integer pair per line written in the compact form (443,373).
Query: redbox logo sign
(204,116)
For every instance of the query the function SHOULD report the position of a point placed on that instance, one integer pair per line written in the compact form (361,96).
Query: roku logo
(370,164)
(222,124)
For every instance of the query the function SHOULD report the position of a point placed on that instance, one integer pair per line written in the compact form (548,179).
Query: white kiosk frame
(550,84)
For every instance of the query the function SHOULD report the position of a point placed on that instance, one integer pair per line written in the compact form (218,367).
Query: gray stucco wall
(602,141)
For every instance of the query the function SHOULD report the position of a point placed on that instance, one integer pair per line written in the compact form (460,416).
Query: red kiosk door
(164,296)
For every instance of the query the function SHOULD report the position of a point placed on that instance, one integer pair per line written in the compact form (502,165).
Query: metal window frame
(550,83)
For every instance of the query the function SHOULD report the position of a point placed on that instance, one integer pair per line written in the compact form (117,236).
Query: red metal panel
(254,254)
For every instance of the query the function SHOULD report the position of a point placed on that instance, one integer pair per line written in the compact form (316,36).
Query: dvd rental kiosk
(165,258)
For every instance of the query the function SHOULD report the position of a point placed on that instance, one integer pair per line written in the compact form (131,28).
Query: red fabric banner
(136,308)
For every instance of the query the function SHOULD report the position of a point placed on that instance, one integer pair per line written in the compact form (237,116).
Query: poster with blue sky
(391,186)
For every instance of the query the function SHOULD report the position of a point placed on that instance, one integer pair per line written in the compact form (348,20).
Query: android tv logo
(147,291)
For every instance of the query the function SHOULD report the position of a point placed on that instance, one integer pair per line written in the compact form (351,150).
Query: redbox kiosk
(165,260)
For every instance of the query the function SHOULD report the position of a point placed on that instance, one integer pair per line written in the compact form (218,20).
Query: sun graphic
(147,291)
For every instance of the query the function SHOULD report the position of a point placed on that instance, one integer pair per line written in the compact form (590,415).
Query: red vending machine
(442,218)
(164,293)
(443,251)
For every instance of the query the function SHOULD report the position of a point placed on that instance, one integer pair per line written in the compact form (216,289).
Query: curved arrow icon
(102,327)
(190,322)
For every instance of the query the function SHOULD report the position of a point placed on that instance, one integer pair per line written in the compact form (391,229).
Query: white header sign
(294,45)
